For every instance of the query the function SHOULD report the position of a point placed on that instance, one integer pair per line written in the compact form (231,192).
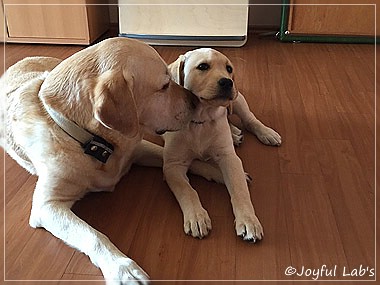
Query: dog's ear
(114,103)
(176,70)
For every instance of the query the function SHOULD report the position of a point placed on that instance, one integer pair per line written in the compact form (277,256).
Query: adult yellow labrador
(210,76)
(78,125)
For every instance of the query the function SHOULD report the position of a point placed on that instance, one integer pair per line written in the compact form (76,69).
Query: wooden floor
(315,195)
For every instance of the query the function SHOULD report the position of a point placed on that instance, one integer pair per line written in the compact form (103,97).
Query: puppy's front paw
(249,229)
(197,223)
(268,136)
(125,271)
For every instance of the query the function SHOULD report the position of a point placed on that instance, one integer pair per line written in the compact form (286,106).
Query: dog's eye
(166,86)
(229,68)
(203,66)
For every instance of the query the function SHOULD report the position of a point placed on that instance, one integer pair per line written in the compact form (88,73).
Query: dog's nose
(194,101)
(225,83)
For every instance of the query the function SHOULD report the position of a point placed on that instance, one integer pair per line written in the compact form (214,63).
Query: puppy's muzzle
(225,86)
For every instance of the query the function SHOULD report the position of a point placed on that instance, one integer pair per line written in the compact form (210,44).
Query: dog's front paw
(197,223)
(249,229)
(125,271)
(268,136)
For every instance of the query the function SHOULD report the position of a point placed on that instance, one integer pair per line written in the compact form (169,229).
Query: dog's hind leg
(237,134)
(150,154)
(265,134)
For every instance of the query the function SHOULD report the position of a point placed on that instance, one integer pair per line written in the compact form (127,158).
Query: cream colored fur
(209,137)
(118,89)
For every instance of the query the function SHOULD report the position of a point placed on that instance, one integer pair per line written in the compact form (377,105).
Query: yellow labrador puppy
(78,124)
(210,76)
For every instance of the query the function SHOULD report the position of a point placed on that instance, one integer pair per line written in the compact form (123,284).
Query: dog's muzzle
(225,89)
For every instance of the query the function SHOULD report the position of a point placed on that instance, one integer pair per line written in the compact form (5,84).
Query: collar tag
(98,148)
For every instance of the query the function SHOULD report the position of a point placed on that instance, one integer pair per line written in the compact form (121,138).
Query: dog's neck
(71,100)
(75,105)
(205,113)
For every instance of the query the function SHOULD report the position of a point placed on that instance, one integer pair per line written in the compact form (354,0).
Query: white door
(185,22)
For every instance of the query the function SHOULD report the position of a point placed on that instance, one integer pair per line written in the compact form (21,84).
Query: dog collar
(93,145)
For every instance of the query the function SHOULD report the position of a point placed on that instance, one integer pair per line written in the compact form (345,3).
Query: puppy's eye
(229,68)
(203,66)
(166,86)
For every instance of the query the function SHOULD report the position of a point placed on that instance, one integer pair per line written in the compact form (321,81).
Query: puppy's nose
(225,83)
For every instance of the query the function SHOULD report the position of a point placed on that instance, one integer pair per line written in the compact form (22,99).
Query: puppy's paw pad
(237,139)
(250,230)
(197,224)
(269,136)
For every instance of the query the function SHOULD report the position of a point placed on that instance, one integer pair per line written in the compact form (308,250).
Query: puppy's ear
(114,104)
(176,69)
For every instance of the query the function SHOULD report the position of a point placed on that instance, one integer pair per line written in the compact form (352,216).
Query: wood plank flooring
(315,195)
